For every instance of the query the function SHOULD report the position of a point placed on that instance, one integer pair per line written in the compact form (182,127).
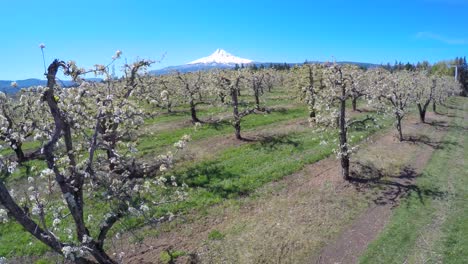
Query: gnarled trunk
(398,126)
(235,109)
(343,136)
(344,141)
(193,112)
(257,99)
(422,111)
(19,152)
(354,102)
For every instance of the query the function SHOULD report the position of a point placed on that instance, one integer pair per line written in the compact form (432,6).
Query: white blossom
(3,216)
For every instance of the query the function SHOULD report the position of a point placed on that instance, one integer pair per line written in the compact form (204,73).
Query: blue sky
(89,32)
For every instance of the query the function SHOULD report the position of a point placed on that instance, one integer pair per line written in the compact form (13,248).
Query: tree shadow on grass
(215,178)
(280,110)
(445,125)
(275,142)
(217,124)
(389,189)
(449,115)
(450,106)
(423,139)
(364,110)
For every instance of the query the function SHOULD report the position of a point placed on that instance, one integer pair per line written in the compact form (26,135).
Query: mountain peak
(221,56)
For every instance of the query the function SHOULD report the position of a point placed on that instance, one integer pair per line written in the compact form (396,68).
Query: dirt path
(354,240)
(309,216)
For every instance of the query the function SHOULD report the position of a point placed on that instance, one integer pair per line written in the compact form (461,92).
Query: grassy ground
(238,171)
(148,143)
(229,175)
(289,219)
(432,228)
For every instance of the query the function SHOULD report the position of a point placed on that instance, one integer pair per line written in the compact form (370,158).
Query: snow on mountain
(221,56)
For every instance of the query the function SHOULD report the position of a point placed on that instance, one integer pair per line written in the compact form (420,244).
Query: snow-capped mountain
(222,57)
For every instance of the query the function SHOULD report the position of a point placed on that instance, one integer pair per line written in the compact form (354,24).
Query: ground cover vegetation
(80,166)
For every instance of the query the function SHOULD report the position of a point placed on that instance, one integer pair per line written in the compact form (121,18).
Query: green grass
(28,145)
(445,186)
(152,143)
(16,242)
(167,257)
(215,235)
(236,171)
(181,112)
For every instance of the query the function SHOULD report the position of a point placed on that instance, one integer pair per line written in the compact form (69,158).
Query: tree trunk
(101,257)
(422,113)
(193,112)
(19,152)
(169,108)
(398,125)
(355,104)
(237,118)
(237,128)
(312,114)
(434,108)
(257,100)
(344,140)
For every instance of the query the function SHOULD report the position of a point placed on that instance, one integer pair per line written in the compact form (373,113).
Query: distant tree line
(442,68)
(275,66)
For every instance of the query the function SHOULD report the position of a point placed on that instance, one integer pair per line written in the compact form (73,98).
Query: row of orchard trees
(220,87)
(87,159)
(87,137)
(325,89)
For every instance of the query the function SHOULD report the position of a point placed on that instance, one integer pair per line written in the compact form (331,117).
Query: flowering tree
(445,86)
(308,80)
(231,82)
(191,87)
(398,89)
(22,119)
(158,91)
(359,88)
(331,103)
(89,160)
(257,84)
(271,78)
(424,93)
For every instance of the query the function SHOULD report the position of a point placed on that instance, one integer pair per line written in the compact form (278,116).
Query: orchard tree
(159,91)
(22,119)
(231,82)
(308,80)
(398,89)
(446,86)
(332,104)
(424,93)
(271,78)
(192,86)
(359,87)
(257,83)
(90,161)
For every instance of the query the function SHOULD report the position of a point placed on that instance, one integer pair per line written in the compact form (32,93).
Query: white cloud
(441,38)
